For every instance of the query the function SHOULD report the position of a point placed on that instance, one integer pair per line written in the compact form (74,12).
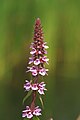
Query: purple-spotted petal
(42,71)
(24,113)
(41,88)
(33,69)
(29,115)
(27,112)
(34,86)
(27,85)
(41,91)
(45,59)
(28,108)
(42,84)
(34,73)
(37,62)
(33,51)
(37,111)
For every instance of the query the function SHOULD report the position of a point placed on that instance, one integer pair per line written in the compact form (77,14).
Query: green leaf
(26,119)
(28,94)
(40,98)
(35,118)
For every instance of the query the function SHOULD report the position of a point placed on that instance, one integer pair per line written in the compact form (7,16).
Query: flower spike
(37,60)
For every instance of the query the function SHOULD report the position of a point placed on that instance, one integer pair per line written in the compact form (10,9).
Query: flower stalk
(37,68)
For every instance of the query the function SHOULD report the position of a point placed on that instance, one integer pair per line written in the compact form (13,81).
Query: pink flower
(41,88)
(30,113)
(45,59)
(34,86)
(37,111)
(37,62)
(33,70)
(34,73)
(27,112)
(33,51)
(42,71)
(27,85)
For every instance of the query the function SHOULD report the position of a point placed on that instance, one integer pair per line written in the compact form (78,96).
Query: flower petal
(34,87)
(26,112)
(27,85)
(30,60)
(33,51)
(45,59)
(37,62)
(34,73)
(42,71)
(29,115)
(41,91)
(37,111)
(41,88)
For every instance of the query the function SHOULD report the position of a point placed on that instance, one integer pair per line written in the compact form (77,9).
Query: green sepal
(28,94)
(35,118)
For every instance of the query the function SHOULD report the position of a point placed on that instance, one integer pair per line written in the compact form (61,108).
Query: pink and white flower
(27,85)
(37,111)
(41,88)
(33,51)
(33,70)
(45,59)
(28,113)
(37,62)
(43,71)
(34,86)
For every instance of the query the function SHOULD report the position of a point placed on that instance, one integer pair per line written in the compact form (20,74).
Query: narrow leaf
(40,98)
(28,94)
(35,118)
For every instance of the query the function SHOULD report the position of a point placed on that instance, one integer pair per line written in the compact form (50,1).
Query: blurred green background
(61,26)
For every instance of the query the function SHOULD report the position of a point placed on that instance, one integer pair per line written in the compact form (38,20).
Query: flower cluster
(40,87)
(38,52)
(37,68)
(29,113)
